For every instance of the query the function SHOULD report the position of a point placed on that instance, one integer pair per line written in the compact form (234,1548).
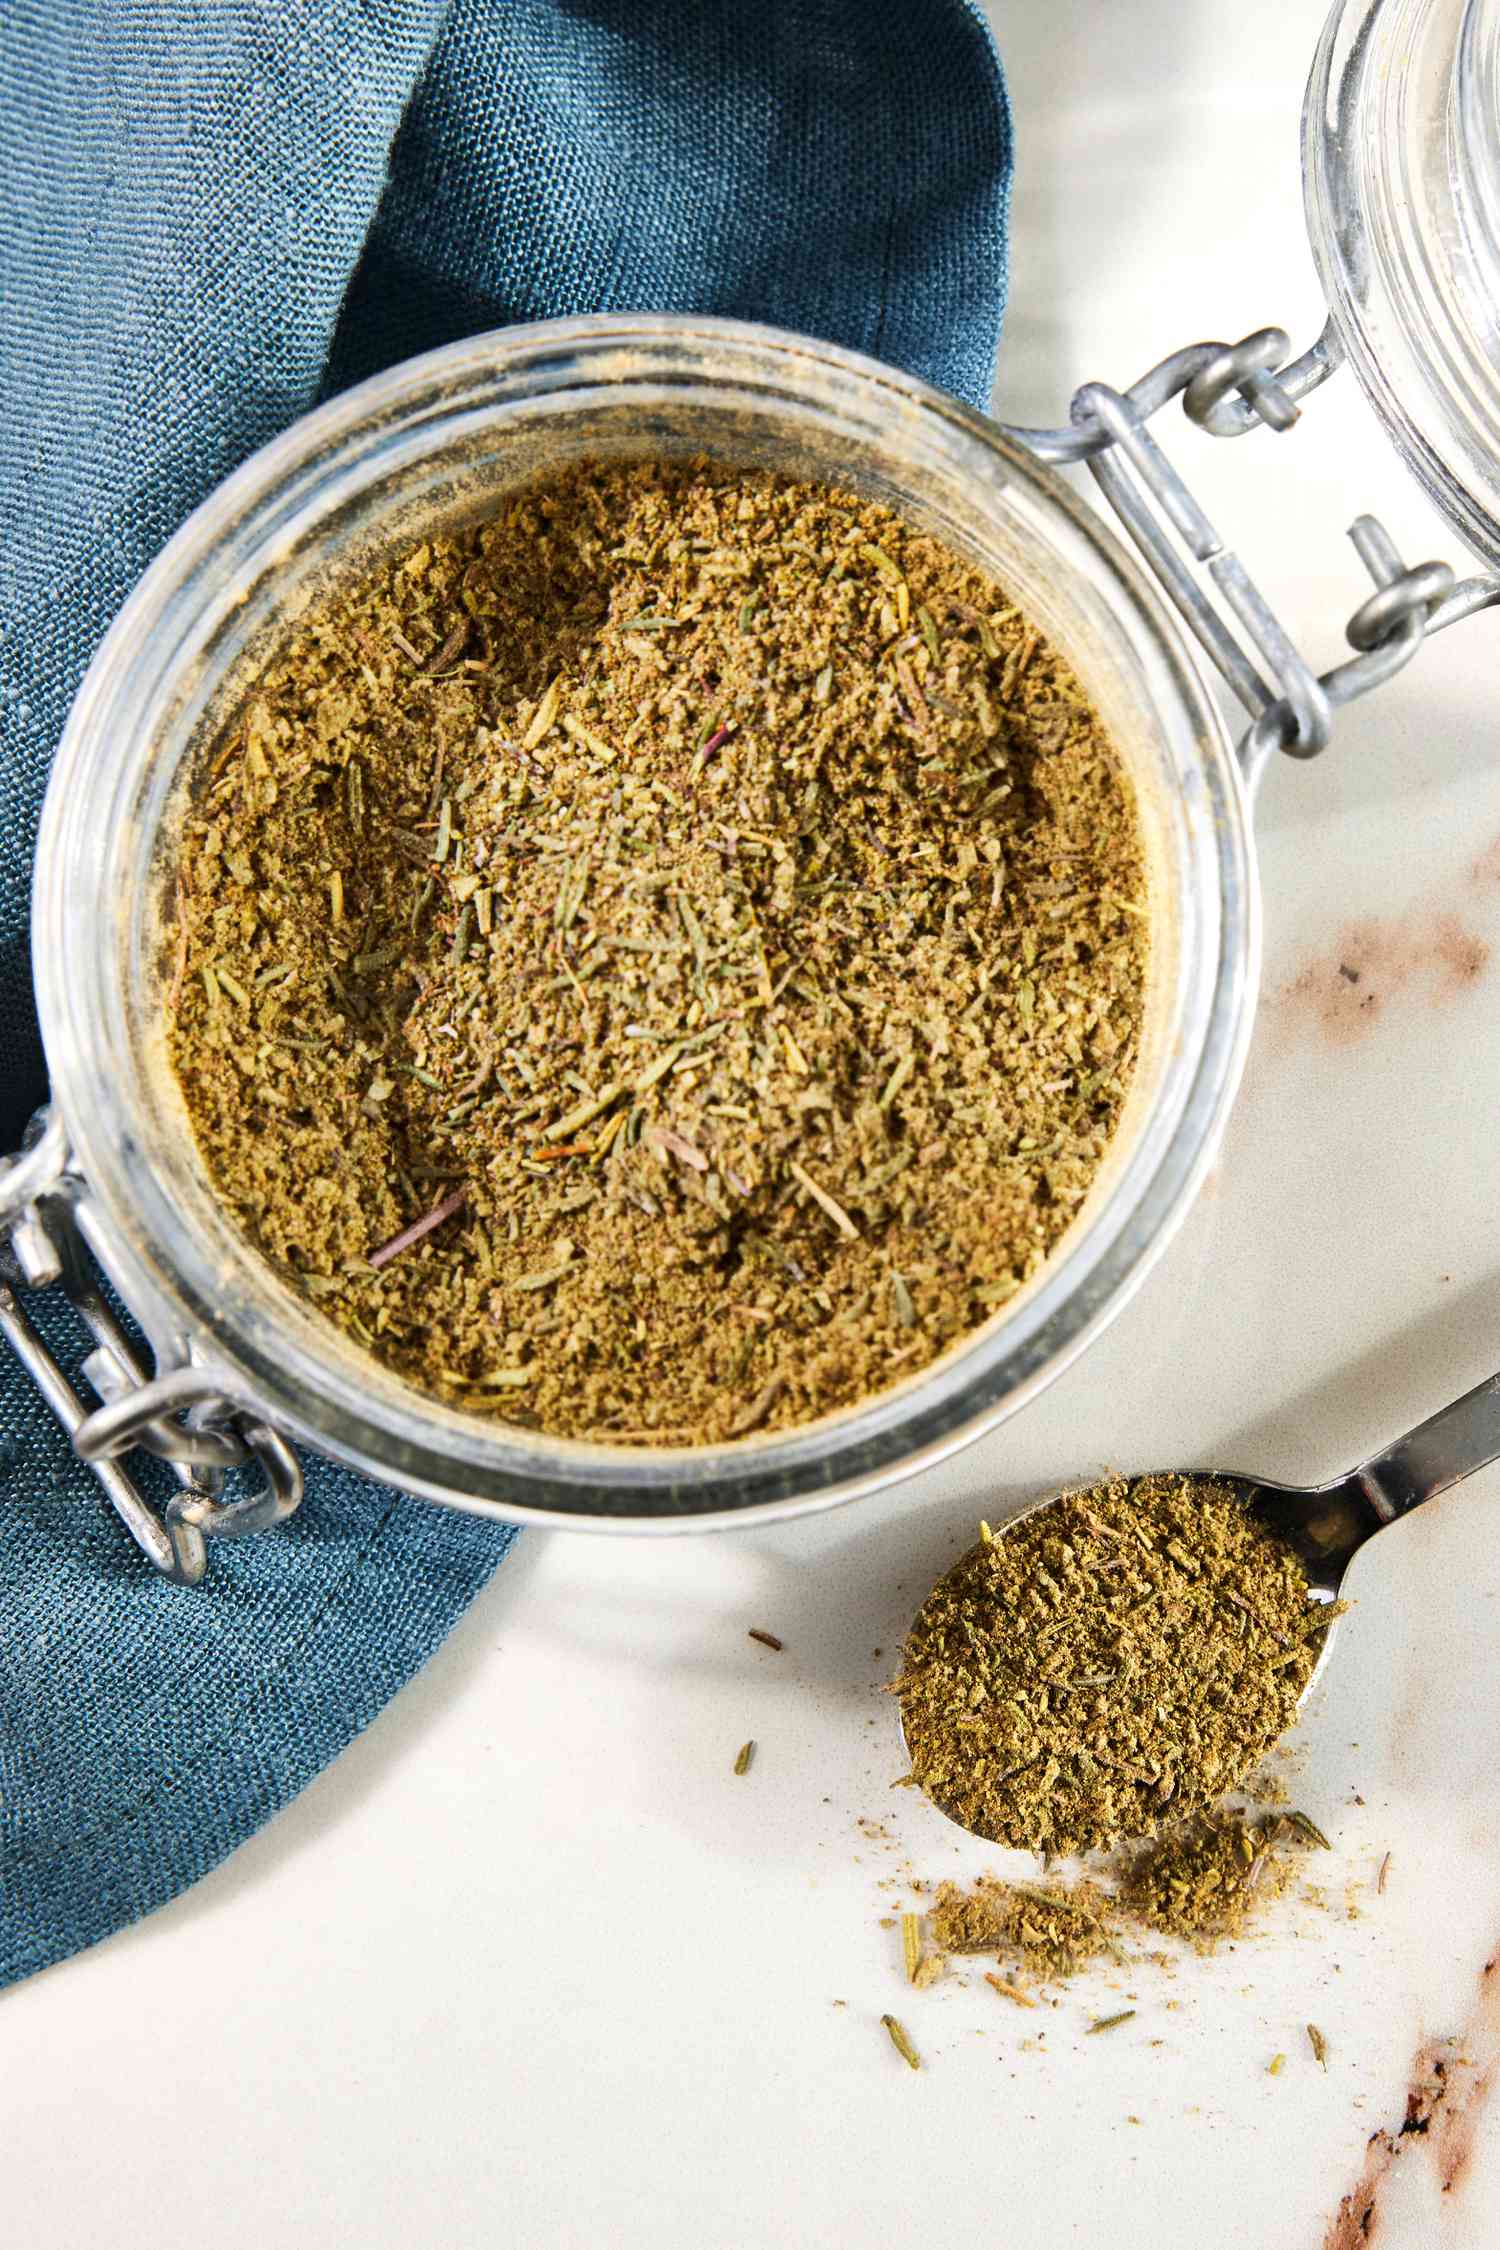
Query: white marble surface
(530,1965)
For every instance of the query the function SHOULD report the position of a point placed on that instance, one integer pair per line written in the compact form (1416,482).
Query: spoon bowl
(1326,1525)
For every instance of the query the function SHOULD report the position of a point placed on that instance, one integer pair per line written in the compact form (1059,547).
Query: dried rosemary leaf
(544,717)
(1009,1989)
(743,1757)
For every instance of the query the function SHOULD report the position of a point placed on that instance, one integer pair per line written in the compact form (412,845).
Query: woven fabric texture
(215,213)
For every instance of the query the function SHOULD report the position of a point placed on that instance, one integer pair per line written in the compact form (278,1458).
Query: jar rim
(183,1291)
(1401,186)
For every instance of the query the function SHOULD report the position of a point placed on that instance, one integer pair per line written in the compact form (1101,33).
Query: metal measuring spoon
(1327,1524)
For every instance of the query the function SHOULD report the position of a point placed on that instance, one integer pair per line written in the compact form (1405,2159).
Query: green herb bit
(893,1085)
(911,1944)
(743,1757)
(906,1311)
(1108,2023)
(650,622)
(748,608)
(658,1070)
(927,624)
(444,839)
(585,1112)
(1276,2066)
(461,936)
(1318,2044)
(694,928)
(1309,1831)
(902,2043)
(882,561)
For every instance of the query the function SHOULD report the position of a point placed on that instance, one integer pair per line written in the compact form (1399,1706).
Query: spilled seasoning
(1202,1882)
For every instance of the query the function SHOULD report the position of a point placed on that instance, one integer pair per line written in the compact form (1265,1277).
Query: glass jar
(1401,168)
(419,451)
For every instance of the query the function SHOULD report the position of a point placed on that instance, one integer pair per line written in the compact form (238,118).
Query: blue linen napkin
(216,212)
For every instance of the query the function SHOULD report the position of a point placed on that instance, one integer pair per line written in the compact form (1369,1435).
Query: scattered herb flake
(902,2043)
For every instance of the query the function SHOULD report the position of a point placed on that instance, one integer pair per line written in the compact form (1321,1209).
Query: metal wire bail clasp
(1229,389)
(182,1413)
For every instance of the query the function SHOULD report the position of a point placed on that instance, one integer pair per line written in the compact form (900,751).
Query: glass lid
(1401,171)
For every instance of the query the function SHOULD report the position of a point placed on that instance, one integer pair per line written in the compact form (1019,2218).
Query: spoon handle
(1449,1445)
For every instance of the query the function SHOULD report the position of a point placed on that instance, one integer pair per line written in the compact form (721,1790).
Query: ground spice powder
(1052,1930)
(664,962)
(1122,1658)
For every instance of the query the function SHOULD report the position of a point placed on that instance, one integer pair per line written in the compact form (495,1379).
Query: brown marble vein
(1451,2082)
(1339,996)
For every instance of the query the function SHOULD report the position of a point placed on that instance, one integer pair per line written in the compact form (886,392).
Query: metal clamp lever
(183,1414)
(1229,389)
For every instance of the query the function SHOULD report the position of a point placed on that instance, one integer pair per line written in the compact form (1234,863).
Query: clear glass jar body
(1401,174)
(426,447)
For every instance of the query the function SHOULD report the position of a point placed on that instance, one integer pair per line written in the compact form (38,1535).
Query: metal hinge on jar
(1229,389)
(184,1414)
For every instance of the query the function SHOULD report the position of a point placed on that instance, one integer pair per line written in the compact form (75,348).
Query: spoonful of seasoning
(1125,1655)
